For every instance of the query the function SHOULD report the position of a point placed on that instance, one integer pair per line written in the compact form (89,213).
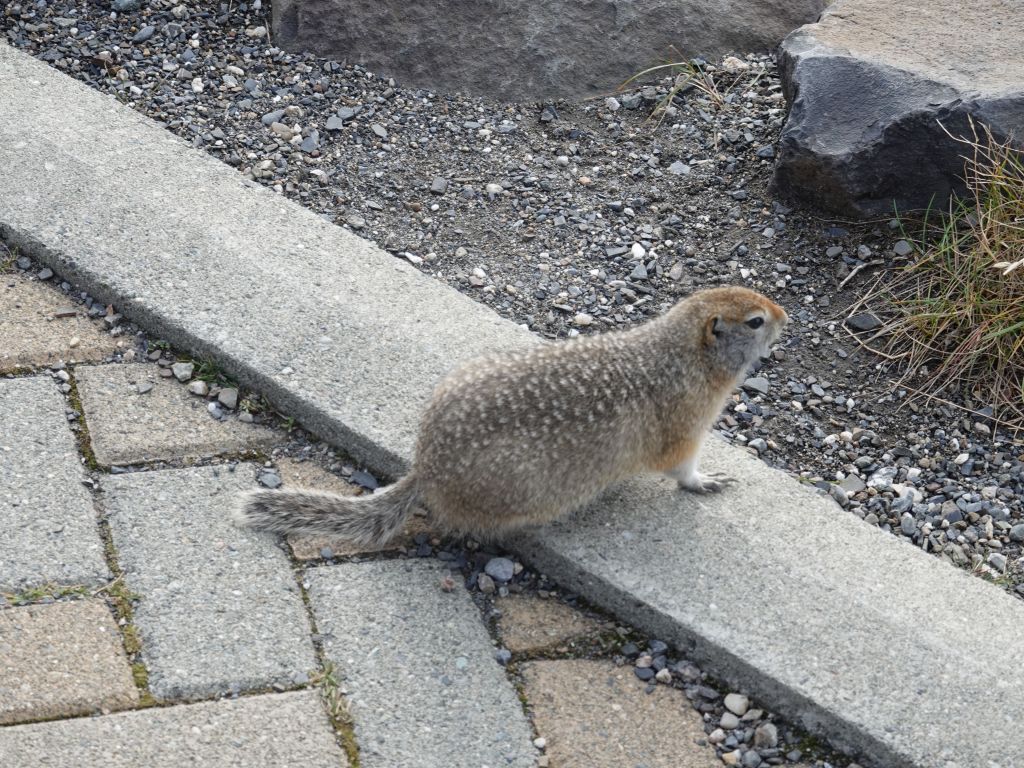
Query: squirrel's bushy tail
(367,520)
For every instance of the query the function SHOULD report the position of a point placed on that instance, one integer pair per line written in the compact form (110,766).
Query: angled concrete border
(857,635)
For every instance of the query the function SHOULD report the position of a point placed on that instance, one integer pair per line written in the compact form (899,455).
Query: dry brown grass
(953,319)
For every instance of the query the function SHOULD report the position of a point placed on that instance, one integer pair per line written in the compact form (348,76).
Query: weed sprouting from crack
(46,592)
(82,433)
(327,680)
(122,600)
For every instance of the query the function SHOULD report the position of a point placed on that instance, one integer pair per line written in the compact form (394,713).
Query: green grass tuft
(954,317)
(329,683)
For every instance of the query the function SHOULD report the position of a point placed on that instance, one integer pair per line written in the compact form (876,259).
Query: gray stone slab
(288,730)
(552,50)
(165,422)
(219,609)
(49,526)
(336,332)
(419,670)
(873,108)
(62,659)
(846,629)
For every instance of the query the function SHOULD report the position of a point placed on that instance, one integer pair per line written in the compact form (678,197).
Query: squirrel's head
(738,325)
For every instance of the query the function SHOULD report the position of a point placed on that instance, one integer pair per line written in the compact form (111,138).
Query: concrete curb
(841,627)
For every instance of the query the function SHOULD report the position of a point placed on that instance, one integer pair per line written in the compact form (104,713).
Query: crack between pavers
(324,676)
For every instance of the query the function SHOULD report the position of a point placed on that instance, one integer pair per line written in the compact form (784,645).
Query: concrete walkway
(849,632)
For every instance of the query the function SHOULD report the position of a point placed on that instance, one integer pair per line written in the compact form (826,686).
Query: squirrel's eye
(755,322)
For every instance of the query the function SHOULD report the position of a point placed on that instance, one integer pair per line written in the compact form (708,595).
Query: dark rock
(529,51)
(863,321)
(144,34)
(756,384)
(272,117)
(365,479)
(870,105)
(311,143)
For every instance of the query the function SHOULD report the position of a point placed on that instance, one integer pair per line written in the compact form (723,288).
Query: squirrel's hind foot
(711,483)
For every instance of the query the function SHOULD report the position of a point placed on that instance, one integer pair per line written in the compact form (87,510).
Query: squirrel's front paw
(701,483)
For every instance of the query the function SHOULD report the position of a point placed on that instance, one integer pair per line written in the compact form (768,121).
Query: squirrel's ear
(711,330)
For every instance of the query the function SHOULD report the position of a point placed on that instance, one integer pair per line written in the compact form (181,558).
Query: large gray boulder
(524,50)
(871,88)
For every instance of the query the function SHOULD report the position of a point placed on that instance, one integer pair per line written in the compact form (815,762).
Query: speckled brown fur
(524,438)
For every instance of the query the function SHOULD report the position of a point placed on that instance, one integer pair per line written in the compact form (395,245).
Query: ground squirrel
(527,437)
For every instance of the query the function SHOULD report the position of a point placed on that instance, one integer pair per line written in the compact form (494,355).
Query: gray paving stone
(31,335)
(62,659)
(530,624)
(419,669)
(594,714)
(219,610)
(46,514)
(287,730)
(166,422)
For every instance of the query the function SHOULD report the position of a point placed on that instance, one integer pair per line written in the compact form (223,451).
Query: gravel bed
(576,217)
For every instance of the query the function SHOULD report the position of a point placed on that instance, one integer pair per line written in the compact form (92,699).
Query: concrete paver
(62,659)
(46,514)
(31,333)
(418,667)
(530,623)
(593,714)
(306,474)
(166,422)
(219,609)
(288,730)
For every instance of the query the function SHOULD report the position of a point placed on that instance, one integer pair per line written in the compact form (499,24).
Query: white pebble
(737,703)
